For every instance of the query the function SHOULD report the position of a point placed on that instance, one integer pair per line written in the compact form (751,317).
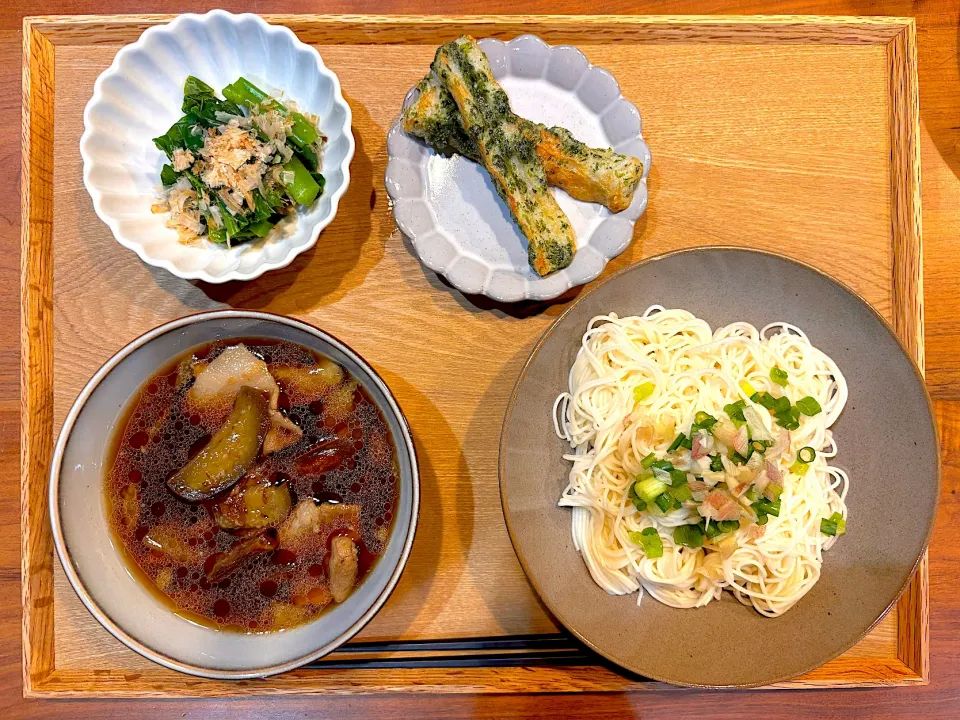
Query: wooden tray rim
(40,35)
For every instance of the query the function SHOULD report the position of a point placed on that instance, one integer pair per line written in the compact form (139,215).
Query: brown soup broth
(157,437)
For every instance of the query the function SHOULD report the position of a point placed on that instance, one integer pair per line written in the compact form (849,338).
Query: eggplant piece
(229,454)
(256,502)
(322,456)
(344,556)
(219,565)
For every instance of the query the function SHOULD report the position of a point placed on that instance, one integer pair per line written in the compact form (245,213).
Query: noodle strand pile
(683,367)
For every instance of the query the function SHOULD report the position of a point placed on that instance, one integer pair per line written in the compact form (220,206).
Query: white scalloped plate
(448,206)
(138,98)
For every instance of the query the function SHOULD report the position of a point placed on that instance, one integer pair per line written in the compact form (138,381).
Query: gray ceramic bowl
(887,442)
(98,572)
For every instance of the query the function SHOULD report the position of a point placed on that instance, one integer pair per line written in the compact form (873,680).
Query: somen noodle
(701,459)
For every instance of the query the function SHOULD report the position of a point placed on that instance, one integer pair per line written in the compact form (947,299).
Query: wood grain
(36,370)
(939,76)
(414,29)
(905,191)
(374,286)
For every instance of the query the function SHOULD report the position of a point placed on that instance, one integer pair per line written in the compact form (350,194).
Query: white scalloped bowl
(450,210)
(138,98)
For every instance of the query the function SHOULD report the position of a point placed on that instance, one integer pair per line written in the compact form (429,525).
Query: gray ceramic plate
(888,444)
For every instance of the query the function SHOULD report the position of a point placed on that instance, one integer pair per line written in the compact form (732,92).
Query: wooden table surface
(939,67)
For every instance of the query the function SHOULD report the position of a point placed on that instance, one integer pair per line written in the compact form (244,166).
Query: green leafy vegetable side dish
(238,165)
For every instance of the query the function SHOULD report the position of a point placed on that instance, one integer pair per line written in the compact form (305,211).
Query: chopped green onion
(765,399)
(789,419)
(799,468)
(702,421)
(716,463)
(662,465)
(687,443)
(775,490)
(664,501)
(773,404)
(676,502)
(647,490)
(806,455)
(809,406)
(688,535)
(682,493)
(721,528)
(639,504)
(649,540)
(758,446)
(648,461)
(833,525)
(766,507)
(762,518)
(735,411)
(678,478)
(642,391)
(779,376)
(677,442)
(751,494)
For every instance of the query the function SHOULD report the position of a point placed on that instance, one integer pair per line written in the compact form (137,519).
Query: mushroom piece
(324,455)
(219,565)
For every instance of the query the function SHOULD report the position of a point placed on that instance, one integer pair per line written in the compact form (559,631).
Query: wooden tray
(797,134)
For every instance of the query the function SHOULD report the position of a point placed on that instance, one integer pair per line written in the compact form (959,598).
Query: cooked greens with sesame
(237,165)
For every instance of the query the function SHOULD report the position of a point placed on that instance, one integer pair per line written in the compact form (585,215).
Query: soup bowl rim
(392,407)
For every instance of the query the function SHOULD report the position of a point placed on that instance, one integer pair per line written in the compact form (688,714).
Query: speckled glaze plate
(888,445)
(450,210)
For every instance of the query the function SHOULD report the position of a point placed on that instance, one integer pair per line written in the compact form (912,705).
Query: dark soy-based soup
(254,484)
